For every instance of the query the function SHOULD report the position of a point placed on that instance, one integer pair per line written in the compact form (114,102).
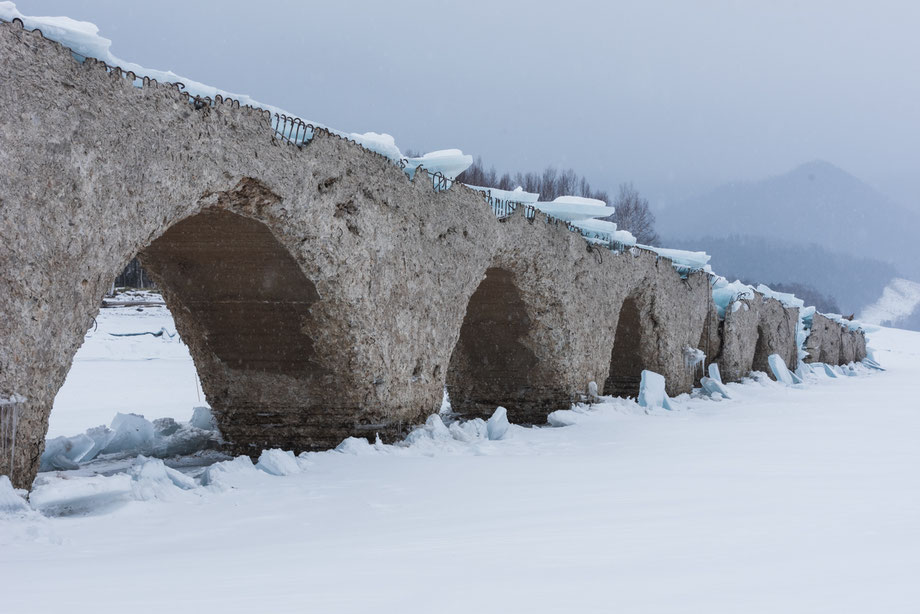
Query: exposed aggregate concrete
(321,293)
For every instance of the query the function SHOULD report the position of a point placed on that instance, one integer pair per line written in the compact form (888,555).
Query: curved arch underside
(626,362)
(492,363)
(243,306)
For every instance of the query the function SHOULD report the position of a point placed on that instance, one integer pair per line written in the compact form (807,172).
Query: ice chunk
(101,435)
(803,369)
(469,430)
(203,419)
(132,433)
(517,195)
(11,502)
(231,473)
(652,391)
(562,417)
(448,162)
(434,429)
(780,370)
(828,370)
(724,293)
(681,259)
(714,372)
(714,388)
(571,208)
(872,364)
(356,446)
(278,462)
(592,391)
(185,440)
(154,480)
(498,426)
(163,427)
(63,453)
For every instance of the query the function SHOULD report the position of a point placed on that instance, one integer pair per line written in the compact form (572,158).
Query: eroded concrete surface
(322,294)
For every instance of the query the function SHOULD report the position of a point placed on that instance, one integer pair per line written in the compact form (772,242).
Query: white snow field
(781,499)
(143,374)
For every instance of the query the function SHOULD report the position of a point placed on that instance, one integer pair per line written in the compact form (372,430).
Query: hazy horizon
(676,98)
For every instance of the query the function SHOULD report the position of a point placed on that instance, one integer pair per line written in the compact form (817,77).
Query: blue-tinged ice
(713,385)
(132,433)
(571,208)
(725,292)
(652,391)
(780,370)
(498,426)
(681,259)
(203,419)
(11,502)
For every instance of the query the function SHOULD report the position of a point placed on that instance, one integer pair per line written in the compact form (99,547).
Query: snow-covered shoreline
(781,499)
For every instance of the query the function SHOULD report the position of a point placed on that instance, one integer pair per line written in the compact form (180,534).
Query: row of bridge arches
(250,316)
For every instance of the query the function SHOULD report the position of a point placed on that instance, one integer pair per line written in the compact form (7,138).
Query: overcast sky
(675,96)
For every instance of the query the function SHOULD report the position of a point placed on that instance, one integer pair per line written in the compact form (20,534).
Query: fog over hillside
(815,203)
(816,225)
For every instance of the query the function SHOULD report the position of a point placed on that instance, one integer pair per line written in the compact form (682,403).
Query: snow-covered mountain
(899,305)
(815,203)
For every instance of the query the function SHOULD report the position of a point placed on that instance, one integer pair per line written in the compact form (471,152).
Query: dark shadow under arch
(625,359)
(760,360)
(243,306)
(241,287)
(491,365)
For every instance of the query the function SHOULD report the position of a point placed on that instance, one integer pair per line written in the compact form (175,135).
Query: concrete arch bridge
(321,292)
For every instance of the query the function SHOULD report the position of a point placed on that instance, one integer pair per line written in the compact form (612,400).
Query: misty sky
(675,96)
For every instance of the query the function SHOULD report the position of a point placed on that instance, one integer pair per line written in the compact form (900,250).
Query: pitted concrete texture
(831,343)
(753,329)
(321,293)
(543,321)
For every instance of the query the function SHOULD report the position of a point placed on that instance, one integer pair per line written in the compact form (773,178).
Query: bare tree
(632,213)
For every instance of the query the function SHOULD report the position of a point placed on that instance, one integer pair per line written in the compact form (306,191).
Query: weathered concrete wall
(322,294)
(100,170)
(757,328)
(542,323)
(831,343)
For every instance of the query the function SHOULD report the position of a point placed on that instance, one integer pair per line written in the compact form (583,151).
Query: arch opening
(492,363)
(760,360)
(625,359)
(241,288)
(242,306)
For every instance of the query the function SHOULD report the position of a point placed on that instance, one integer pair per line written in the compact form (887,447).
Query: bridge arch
(497,359)
(244,307)
(626,358)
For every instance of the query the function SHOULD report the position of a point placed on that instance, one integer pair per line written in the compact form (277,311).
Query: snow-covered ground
(144,374)
(801,499)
